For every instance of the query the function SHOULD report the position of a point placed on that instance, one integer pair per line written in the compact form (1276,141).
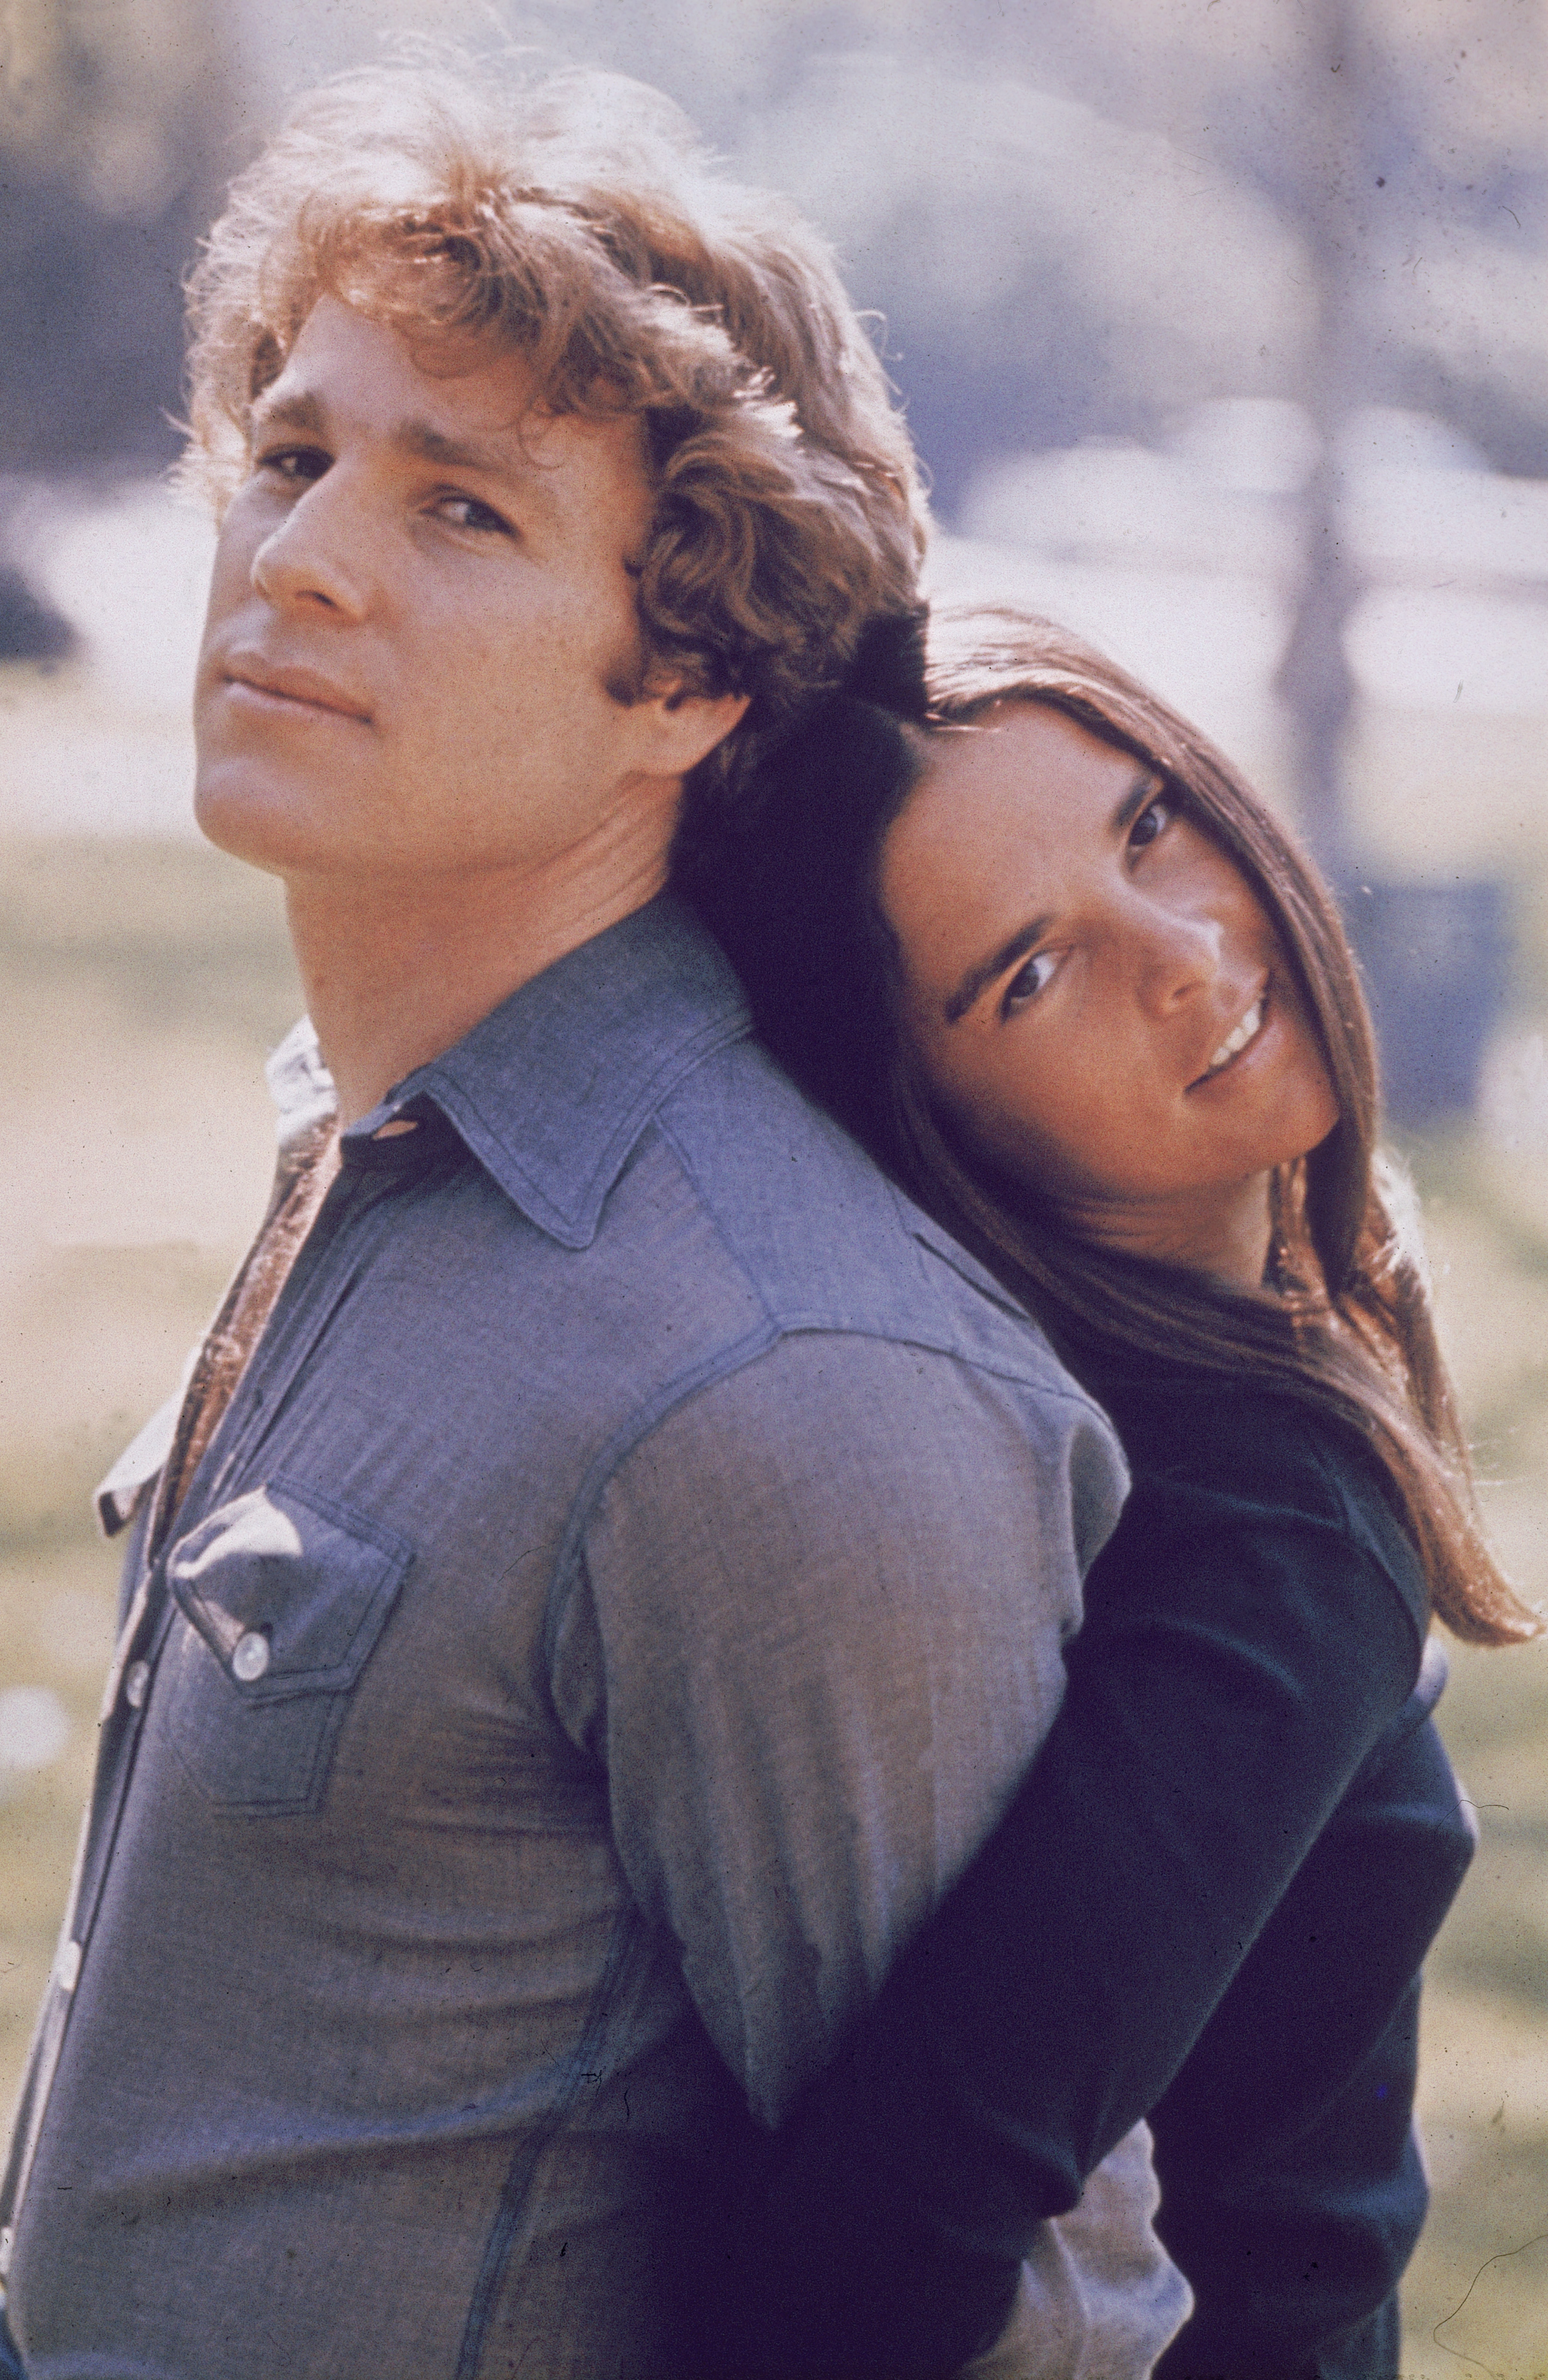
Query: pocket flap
(289,1590)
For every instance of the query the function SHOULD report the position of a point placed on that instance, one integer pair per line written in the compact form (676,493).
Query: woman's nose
(1181,951)
(319,553)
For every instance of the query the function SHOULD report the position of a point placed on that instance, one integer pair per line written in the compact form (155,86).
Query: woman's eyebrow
(983,971)
(1141,793)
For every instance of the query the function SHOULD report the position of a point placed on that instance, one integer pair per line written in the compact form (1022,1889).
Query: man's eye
(298,465)
(1152,821)
(466,512)
(1029,980)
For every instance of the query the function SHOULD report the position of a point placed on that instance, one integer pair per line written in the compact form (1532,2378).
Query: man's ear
(683,727)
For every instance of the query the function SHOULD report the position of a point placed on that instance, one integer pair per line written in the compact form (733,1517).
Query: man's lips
(296,689)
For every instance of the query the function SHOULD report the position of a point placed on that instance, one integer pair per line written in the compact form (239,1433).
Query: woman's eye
(1152,821)
(466,512)
(1029,980)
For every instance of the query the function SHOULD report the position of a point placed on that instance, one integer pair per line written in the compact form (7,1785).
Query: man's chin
(259,827)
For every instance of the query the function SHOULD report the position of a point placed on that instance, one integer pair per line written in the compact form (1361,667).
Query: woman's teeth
(1238,1039)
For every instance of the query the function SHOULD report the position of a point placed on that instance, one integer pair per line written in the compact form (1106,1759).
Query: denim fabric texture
(628,1582)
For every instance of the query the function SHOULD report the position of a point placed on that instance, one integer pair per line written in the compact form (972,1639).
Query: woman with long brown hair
(1046,955)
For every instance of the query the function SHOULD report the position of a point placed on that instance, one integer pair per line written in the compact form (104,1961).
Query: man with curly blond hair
(607,1568)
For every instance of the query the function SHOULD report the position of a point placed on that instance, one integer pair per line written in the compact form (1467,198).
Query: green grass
(142,985)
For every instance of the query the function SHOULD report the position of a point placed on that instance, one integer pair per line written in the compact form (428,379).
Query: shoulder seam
(723,1365)
(710,1208)
(1043,1372)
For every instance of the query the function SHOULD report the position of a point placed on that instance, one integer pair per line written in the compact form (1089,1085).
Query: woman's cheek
(1024,1141)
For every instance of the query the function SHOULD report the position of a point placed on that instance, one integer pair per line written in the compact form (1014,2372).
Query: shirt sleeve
(1238,1660)
(831,1592)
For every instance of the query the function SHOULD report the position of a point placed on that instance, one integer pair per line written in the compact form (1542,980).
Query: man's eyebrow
(427,444)
(299,412)
(983,971)
(306,415)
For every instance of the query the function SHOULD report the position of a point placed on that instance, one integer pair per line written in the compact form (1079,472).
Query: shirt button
(137,1679)
(66,1966)
(250,1658)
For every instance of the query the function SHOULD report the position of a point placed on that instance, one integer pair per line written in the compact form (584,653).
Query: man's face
(419,602)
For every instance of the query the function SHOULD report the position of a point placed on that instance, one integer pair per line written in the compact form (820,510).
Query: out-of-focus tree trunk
(1314,678)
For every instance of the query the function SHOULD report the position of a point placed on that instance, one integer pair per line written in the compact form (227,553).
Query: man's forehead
(459,402)
(343,359)
(295,403)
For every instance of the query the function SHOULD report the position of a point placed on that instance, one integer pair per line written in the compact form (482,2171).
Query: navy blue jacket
(1208,1904)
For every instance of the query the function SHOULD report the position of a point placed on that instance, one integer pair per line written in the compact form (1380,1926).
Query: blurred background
(1220,325)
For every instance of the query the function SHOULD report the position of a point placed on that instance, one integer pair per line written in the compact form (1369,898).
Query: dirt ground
(142,983)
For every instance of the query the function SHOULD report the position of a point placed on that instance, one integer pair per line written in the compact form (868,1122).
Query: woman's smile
(1098,995)
(1238,1039)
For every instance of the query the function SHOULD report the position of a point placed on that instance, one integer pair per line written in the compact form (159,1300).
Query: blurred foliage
(111,140)
(1076,222)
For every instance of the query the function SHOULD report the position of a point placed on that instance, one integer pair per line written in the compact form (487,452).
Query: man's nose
(1180,953)
(319,556)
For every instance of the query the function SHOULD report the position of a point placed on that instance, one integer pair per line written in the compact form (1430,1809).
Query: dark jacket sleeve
(1250,1635)
(1292,2189)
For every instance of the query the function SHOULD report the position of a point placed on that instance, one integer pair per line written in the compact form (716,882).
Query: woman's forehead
(1016,767)
(1007,819)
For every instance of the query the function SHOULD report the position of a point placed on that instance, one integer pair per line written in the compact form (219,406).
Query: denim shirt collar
(552,1089)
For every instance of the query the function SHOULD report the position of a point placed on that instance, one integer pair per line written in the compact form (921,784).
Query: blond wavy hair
(574,223)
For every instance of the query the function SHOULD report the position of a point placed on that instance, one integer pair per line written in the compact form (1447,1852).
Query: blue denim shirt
(626,1585)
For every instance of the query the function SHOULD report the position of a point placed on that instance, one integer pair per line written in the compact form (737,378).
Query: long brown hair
(1343,1322)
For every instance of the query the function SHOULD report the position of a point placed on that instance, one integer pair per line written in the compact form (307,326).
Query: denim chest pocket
(285,1594)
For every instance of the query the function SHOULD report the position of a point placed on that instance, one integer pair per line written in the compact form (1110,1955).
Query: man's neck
(398,970)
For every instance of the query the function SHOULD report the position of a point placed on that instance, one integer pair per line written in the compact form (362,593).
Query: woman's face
(1097,996)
